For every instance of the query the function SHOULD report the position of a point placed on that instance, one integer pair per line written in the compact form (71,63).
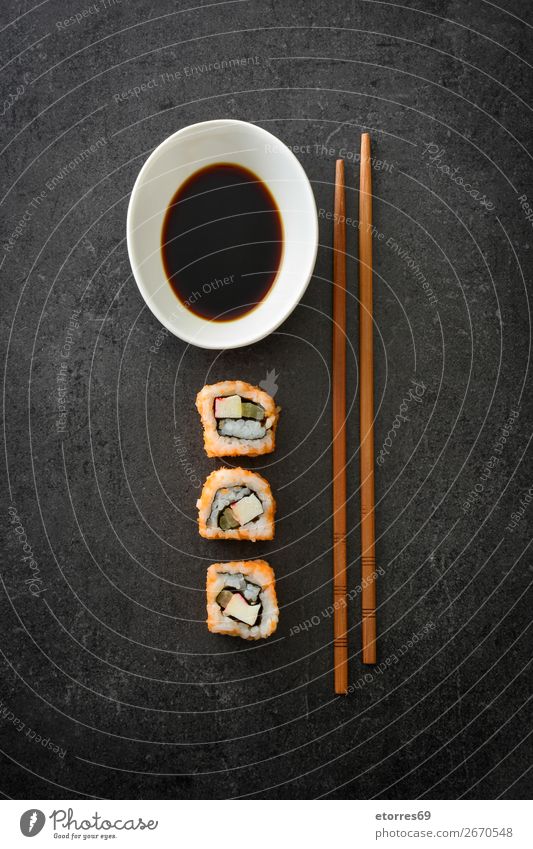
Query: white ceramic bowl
(165,170)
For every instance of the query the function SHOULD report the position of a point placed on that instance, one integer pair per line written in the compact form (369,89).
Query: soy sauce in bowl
(222,242)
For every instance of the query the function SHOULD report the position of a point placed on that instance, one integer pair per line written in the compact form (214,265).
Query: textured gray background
(109,658)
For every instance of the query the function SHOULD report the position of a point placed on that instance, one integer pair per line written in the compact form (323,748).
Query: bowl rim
(292,303)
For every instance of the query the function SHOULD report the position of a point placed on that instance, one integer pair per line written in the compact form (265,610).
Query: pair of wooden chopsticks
(366,370)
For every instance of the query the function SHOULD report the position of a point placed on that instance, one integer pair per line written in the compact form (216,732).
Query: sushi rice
(239,574)
(227,486)
(234,437)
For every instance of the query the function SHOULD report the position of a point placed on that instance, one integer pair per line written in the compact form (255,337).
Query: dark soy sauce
(222,242)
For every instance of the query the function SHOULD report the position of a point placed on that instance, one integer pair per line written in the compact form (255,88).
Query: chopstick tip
(339,167)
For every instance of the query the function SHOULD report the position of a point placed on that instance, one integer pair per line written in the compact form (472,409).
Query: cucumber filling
(227,520)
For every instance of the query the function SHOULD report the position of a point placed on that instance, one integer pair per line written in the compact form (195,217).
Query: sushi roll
(238,419)
(236,504)
(241,599)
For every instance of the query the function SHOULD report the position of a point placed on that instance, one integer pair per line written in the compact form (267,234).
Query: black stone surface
(106,655)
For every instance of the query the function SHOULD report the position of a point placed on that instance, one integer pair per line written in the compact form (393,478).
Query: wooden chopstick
(366,366)
(340,616)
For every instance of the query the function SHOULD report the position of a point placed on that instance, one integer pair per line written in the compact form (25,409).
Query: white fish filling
(242,428)
(251,592)
(237,582)
(223,499)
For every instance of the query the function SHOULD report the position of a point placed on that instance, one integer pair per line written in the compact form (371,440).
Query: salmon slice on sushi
(236,504)
(238,419)
(241,599)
